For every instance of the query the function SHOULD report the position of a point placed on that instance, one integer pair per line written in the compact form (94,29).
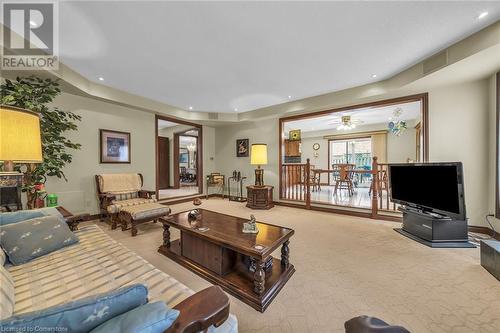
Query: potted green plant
(35,94)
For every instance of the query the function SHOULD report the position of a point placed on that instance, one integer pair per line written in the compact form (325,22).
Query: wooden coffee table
(240,263)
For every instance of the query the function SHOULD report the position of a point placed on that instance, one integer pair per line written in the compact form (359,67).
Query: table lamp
(258,156)
(20,139)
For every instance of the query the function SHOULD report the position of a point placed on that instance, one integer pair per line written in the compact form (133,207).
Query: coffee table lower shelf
(238,282)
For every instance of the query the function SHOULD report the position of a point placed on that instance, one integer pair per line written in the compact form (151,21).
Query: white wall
(458,131)
(208,153)
(321,161)
(257,132)
(492,152)
(79,193)
(400,148)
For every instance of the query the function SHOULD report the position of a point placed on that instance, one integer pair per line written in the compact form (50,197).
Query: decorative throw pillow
(6,294)
(20,215)
(148,318)
(80,316)
(30,239)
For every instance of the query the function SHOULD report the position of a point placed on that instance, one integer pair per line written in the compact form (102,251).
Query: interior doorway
(185,159)
(179,163)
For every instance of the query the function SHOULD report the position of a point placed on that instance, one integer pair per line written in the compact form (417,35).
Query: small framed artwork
(242,147)
(114,146)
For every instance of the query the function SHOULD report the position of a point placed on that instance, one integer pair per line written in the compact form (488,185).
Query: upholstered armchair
(117,190)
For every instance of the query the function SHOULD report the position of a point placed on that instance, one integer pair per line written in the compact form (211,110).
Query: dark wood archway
(304,168)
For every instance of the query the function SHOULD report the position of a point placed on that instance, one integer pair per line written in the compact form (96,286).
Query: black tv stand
(434,230)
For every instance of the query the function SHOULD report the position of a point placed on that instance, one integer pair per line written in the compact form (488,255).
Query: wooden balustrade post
(375,187)
(308,184)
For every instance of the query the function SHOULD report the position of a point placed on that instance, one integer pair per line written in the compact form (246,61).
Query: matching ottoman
(138,214)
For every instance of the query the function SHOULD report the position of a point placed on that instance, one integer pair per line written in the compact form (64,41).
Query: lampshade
(20,139)
(258,154)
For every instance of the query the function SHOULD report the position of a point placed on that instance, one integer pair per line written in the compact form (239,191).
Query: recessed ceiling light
(235,109)
(101,78)
(190,108)
(374,75)
(289,97)
(33,23)
(482,15)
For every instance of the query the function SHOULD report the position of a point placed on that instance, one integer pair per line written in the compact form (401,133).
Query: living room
(421,90)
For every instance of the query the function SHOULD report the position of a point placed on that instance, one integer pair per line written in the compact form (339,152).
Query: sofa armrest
(105,199)
(146,194)
(74,220)
(200,311)
(78,217)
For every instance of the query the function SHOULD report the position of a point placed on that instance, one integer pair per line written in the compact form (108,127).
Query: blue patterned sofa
(94,265)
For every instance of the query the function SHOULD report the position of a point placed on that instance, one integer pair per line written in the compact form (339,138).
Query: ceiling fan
(346,123)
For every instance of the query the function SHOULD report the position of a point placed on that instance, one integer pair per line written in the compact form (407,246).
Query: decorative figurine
(193,214)
(193,218)
(196,201)
(250,227)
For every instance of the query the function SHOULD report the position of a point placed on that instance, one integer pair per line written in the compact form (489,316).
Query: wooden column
(308,185)
(374,187)
(285,254)
(259,277)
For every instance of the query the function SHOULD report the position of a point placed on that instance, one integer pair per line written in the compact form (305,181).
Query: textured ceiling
(227,56)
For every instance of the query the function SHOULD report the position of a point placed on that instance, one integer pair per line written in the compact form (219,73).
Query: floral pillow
(30,239)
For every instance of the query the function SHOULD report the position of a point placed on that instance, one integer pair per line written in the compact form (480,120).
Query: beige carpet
(349,266)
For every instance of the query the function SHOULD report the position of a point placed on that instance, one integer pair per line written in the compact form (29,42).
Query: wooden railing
(384,201)
(295,182)
(296,185)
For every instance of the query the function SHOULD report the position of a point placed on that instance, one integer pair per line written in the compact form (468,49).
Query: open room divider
(352,148)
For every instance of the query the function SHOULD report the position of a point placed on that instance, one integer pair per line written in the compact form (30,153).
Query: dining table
(318,172)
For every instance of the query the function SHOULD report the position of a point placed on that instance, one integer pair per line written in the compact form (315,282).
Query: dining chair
(345,176)
(382,180)
(313,180)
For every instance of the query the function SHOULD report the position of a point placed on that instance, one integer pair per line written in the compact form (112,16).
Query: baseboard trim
(483,230)
(216,195)
(180,199)
(94,217)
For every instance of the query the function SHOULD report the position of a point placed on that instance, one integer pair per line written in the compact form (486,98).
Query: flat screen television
(429,187)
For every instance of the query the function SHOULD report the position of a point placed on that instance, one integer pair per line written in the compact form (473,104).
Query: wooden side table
(260,197)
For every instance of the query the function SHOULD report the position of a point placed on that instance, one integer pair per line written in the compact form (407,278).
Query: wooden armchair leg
(200,311)
(113,218)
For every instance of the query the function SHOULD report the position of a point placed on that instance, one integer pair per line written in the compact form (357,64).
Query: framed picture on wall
(242,147)
(114,146)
